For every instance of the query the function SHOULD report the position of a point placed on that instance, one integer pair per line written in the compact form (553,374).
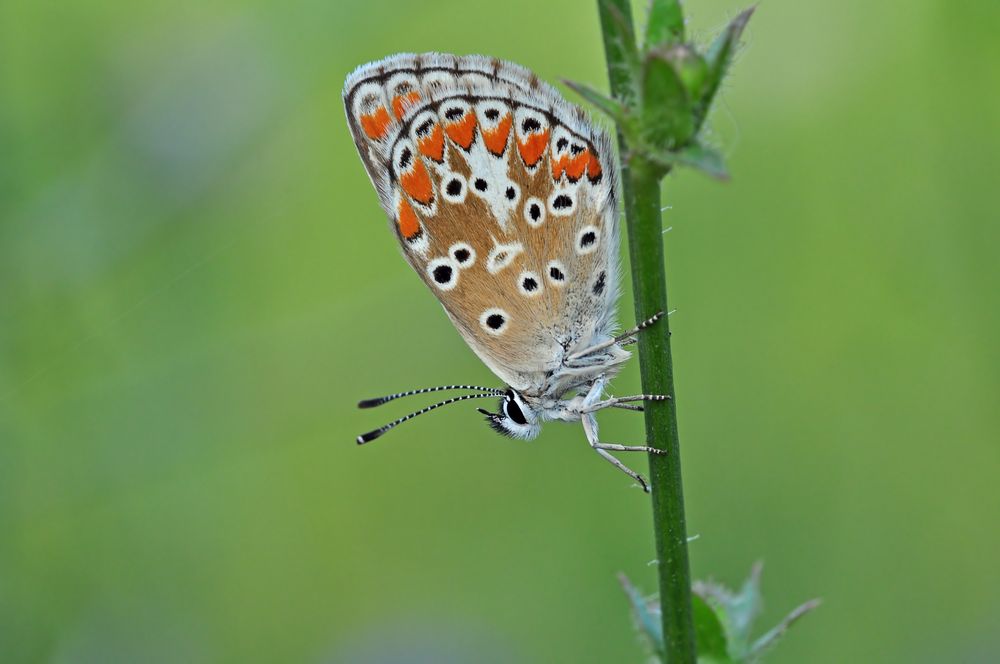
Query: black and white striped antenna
(372,435)
(378,401)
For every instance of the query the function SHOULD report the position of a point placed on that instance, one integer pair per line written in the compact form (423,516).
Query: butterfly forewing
(502,196)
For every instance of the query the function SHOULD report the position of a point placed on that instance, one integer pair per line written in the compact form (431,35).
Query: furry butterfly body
(503,197)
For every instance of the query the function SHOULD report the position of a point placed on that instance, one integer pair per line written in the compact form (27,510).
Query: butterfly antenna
(371,403)
(372,435)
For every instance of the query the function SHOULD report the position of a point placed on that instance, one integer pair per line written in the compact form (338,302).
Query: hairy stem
(641,184)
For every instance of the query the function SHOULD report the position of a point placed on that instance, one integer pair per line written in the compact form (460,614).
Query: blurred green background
(197,285)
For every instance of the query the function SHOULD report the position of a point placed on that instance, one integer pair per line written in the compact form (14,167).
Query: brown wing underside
(502,198)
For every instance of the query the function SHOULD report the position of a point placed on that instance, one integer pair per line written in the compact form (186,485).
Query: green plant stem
(643,215)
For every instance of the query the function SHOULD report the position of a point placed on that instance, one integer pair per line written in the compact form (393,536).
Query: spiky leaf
(666,107)
(709,633)
(718,58)
(696,156)
(665,24)
(647,615)
(774,635)
(609,106)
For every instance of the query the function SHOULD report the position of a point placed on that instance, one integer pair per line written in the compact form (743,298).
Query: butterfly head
(515,419)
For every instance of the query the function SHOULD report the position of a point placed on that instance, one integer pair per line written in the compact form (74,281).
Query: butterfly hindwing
(503,198)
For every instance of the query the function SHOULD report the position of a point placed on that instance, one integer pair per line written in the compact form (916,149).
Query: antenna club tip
(368,437)
(370,403)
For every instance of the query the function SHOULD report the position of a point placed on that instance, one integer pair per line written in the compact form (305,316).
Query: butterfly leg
(616,402)
(590,429)
(615,447)
(623,337)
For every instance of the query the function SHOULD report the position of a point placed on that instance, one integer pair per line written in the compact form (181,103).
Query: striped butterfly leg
(622,339)
(622,402)
(590,429)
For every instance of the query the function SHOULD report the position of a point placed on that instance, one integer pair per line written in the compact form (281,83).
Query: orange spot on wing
(533,147)
(594,168)
(496,140)
(376,124)
(464,130)
(559,166)
(432,145)
(406,219)
(417,182)
(402,102)
(575,166)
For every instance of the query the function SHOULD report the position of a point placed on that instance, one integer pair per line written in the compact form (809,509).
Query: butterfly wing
(503,198)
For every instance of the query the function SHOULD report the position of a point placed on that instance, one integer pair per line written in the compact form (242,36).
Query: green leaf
(611,107)
(695,156)
(665,24)
(647,615)
(690,66)
(709,633)
(666,108)
(779,630)
(718,59)
(736,610)
(744,607)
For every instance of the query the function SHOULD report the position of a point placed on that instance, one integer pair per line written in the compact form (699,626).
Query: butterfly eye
(513,411)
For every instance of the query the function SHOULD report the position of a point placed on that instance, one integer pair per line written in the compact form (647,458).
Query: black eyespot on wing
(562,202)
(453,114)
(561,144)
(425,127)
(535,212)
(599,284)
(405,158)
(462,255)
(556,273)
(495,321)
(588,239)
(529,284)
(480,184)
(453,188)
(530,125)
(510,193)
(442,274)
(491,114)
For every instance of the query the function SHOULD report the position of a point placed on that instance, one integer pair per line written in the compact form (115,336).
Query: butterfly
(504,199)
